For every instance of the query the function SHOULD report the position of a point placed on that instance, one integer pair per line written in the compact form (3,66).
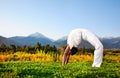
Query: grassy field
(55,70)
(41,65)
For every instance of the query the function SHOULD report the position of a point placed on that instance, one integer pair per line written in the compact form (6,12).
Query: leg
(98,55)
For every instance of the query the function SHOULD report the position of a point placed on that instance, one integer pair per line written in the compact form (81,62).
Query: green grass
(55,70)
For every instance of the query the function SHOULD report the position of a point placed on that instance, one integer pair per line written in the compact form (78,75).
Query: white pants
(98,55)
(98,52)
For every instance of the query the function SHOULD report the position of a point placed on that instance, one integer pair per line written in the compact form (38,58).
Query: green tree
(38,46)
(3,47)
(55,53)
(47,48)
(54,48)
(30,49)
(24,48)
(18,48)
(13,48)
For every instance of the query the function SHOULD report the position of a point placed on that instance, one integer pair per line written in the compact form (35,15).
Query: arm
(66,55)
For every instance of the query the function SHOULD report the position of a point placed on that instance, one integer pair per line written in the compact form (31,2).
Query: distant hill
(32,39)
(61,42)
(112,42)
(8,41)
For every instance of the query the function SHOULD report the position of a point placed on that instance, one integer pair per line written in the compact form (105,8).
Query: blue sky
(56,18)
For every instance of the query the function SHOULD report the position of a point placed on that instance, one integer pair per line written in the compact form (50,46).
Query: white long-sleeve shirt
(75,37)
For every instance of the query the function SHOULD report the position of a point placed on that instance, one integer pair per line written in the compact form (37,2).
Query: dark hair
(74,50)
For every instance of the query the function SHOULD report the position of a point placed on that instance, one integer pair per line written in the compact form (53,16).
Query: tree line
(29,49)
(38,47)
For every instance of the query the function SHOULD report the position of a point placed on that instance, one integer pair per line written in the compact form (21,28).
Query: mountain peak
(63,38)
(37,35)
